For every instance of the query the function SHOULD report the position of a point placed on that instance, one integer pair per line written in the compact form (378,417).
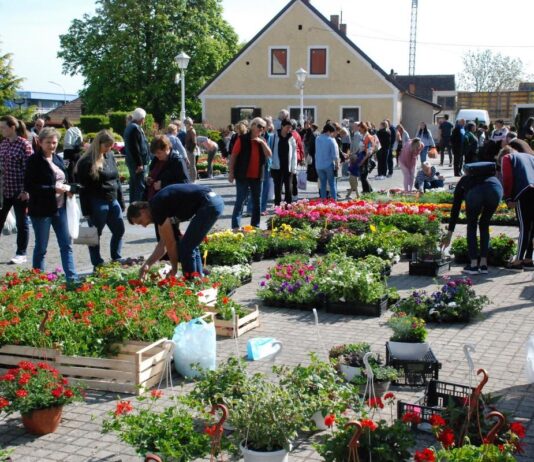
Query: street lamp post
(301,78)
(60,86)
(182,60)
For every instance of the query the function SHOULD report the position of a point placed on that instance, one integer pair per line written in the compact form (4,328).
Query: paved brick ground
(500,336)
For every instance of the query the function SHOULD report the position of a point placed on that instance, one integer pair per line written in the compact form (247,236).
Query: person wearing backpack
(72,147)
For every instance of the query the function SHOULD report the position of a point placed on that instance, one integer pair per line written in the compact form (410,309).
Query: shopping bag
(270,195)
(10,225)
(195,345)
(87,236)
(302,180)
(530,359)
(73,217)
(432,153)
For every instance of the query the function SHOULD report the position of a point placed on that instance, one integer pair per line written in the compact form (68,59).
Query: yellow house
(342,82)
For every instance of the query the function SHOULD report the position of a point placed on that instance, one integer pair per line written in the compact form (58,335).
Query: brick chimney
(343,28)
(334,20)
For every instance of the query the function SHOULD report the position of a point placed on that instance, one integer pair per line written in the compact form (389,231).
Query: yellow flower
(372,228)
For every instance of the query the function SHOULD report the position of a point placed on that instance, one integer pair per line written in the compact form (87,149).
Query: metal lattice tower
(413,38)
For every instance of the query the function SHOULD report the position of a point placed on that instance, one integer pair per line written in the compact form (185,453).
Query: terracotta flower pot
(42,421)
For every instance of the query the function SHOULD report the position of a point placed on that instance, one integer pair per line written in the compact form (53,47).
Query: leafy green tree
(126,53)
(488,71)
(9,83)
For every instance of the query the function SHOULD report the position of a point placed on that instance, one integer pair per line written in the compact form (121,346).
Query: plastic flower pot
(405,350)
(349,372)
(256,456)
(42,421)
(318,420)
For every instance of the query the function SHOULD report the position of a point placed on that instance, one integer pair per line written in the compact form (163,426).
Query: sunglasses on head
(261,127)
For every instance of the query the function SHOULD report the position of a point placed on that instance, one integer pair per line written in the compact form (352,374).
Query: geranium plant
(171,432)
(30,387)
(379,441)
(407,328)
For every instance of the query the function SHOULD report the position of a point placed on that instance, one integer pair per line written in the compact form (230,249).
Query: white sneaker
(19,259)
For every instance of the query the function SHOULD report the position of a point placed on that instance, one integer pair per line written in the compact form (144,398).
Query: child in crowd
(355,161)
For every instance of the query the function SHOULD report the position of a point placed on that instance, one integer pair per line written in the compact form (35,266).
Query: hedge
(117,121)
(93,123)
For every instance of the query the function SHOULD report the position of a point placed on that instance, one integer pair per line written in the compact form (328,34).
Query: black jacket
(135,145)
(40,183)
(174,171)
(384,136)
(106,187)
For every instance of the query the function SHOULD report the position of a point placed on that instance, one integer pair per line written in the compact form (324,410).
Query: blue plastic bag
(195,343)
(261,347)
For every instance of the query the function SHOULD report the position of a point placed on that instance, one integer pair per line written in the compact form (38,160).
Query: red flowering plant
(105,310)
(171,432)
(379,439)
(31,386)
(450,428)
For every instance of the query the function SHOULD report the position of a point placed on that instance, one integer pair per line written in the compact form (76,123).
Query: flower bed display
(355,215)
(102,313)
(386,245)
(227,248)
(456,301)
(336,281)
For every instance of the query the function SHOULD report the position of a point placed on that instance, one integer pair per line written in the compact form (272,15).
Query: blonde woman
(44,180)
(101,194)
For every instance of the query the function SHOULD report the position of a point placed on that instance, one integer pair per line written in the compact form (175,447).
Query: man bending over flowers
(170,206)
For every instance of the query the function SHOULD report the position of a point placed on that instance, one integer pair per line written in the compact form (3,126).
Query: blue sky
(30,30)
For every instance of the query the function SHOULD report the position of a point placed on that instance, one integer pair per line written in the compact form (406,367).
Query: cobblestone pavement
(500,336)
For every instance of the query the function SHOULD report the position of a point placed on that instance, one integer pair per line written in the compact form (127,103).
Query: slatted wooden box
(138,366)
(242,324)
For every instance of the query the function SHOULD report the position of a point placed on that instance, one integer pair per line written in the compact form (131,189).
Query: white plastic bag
(10,225)
(195,344)
(530,359)
(73,217)
(302,180)
(270,195)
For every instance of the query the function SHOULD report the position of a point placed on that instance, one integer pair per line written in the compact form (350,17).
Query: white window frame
(349,107)
(318,76)
(269,63)
(306,106)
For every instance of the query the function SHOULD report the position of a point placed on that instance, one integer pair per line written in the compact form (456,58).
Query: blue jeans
(41,228)
(137,182)
(242,190)
(327,176)
(265,186)
(481,202)
(199,226)
(107,213)
(22,220)
(424,153)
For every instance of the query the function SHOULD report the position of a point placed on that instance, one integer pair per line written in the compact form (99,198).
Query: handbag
(87,235)
(302,180)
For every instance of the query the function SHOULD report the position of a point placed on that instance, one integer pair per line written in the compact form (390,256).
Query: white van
(472,115)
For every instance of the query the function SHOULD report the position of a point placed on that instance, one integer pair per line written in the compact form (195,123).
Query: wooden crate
(242,325)
(138,366)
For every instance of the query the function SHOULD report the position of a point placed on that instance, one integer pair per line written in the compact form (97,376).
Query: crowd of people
(265,156)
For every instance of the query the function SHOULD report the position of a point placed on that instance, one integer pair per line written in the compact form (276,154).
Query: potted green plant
(172,432)
(409,335)
(38,392)
(319,387)
(266,421)
(349,358)
(427,259)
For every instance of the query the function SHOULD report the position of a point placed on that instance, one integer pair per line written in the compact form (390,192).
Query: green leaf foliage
(126,53)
